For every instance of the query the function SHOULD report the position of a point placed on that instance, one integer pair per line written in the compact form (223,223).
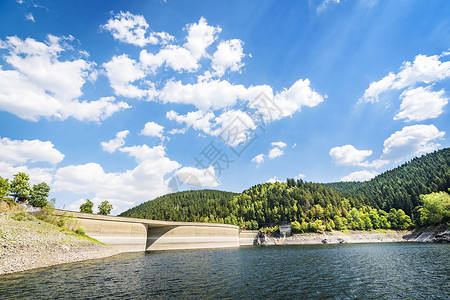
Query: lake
(344,271)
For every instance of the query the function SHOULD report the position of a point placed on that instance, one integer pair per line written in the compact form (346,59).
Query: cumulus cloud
(122,72)
(275,152)
(37,175)
(364,175)
(123,189)
(348,155)
(258,159)
(300,176)
(274,179)
(411,141)
(115,143)
(41,85)
(279,144)
(183,57)
(197,177)
(228,56)
(152,129)
(132,29)
(421,104)
(424,69)
(195,119)
(23,151)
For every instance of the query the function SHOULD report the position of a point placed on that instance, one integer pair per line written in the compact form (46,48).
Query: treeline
(310,206)
(21,190)
(401,187)
(390,200)
(188,206)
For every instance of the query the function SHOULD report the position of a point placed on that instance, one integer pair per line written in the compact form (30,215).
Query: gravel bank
(34,244)
(337,237)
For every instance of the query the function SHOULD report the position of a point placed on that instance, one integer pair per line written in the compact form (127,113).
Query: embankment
(441,234)
(32,243)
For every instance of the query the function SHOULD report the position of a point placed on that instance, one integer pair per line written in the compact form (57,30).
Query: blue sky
(129,100)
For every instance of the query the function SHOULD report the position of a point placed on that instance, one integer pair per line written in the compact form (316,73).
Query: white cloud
(258,159)
(234,127)
(348,155)
(421,104)
(279,144)
(275,179)
(411,141)
(298,95)
(115,143)
(132,29)
(41,85)
(204,95)
(30,17)
(176,57)
(325,4)
(275,152)
(95,111)
(200,36)
(300,176)
(122,72)
(197,177)
(195,119)
(228,56)
(122,189)
(37,175)
(364,175)
(424,69)
(152,129)
(20,152)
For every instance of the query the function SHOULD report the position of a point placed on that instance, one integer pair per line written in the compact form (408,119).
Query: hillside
(187,206)
(387,201)
(401,187)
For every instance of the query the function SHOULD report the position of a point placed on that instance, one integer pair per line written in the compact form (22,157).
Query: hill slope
(188,206)
(402,186)
(379,203)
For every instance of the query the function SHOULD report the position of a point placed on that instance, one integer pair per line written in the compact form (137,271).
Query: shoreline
(440,234)
(33,244)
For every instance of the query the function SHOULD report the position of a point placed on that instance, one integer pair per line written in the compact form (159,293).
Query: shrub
(80,230)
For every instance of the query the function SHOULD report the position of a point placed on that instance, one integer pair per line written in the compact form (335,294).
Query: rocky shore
(441,234)
(32,243)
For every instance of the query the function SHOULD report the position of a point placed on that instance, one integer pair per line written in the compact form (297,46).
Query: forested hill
(379,203)
(188,206)
(402,186)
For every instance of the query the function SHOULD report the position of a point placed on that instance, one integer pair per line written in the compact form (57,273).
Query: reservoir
(342,271)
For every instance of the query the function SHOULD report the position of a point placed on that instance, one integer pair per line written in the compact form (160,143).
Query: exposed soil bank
(31,244)
(441,234)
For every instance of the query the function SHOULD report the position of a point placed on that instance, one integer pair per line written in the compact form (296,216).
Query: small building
(285,230)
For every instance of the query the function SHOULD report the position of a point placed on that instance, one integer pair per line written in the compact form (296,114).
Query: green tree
(39,195)
(20,187)
(104,208)
(435,209)
(4,187)
(87,207)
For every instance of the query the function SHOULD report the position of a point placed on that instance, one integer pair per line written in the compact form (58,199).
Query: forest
(413,194)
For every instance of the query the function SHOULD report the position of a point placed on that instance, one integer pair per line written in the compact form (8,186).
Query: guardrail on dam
(131,235)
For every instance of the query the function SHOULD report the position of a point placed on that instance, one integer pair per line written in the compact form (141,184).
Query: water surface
(346,271)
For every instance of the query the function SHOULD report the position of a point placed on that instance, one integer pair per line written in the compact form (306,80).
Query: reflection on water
(384,271)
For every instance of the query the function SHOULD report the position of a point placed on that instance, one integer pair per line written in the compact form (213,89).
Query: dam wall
(248,237)
(133,235)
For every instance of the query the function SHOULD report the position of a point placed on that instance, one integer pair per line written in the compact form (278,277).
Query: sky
(126,101)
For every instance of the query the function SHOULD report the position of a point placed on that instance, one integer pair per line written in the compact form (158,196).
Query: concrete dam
(132,235)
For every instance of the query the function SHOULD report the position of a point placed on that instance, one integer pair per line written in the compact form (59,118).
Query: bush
(80,230)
